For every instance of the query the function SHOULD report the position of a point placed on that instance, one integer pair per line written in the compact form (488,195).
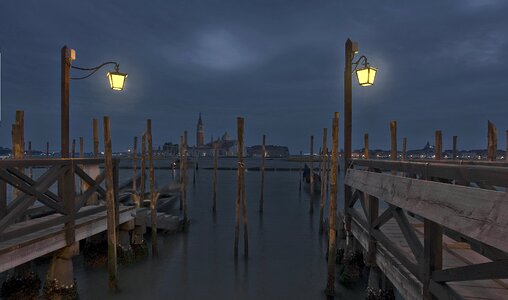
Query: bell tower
(200,133)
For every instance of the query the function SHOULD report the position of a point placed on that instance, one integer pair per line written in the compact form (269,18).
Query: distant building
(200,133)
(271,151)
(170,149)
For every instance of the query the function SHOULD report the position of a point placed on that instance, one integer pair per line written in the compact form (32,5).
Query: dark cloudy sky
(442,65)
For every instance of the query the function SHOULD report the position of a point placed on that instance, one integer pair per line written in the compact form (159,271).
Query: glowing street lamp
(116,79)
(365,74)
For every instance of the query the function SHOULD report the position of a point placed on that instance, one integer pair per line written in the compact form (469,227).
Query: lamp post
(116,81)
(365,75)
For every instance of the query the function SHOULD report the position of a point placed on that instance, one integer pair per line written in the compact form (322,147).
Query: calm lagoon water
(286,253)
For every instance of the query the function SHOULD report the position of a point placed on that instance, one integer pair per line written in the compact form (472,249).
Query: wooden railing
(467,202)
(35,197)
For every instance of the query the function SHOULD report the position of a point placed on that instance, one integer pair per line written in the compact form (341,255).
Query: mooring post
(323,180)
(181,172)
(332,212)
(47,149)
(262,169)
(153,199)
(404,148)
(393,134)
(110,204)
(30,171)
(185,177)
(492,141)
(135,198)
(95,127)
(348,95)
(215,165)
(439,145)
(81,147)
(366,146)
(311,172)
(454,149)
(142,183)
(241,179)
(73,148)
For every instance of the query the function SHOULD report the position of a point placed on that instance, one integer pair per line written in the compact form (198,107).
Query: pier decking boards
(465,202)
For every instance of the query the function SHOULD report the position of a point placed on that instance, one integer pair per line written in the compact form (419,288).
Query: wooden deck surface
(455,254)
(19,250)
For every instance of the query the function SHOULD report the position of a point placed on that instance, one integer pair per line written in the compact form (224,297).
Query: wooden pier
(436,229)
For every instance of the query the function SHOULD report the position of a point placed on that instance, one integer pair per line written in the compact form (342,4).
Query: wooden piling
(404,148)
(73,148)
(332,214)
(142,183)
(492,141)
(241,195)
(111,213)
(439,145)
(30,171)
(454,149)
(215,166)
(47,149)
(153,199)
(95,125)
(393,133)
(323,180)
(366,146)
(262,169)
(134,172)
(185,177)
(506,154)
(181,172)
(311,171)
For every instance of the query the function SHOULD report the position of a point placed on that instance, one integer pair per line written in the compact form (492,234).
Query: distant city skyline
(278,64)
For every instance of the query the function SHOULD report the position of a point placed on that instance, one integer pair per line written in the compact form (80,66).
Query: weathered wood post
(439,145)
(111,209)
(332,213)
(348,95)
(393,133)
(240,195)
(153,197)
(404,148)
(17,143)
(181,172)
(137,200)
(323,181)
(73,148)
(215,165)
(366,146)
(185,177)
(30,171)
(81,147)
(492,141)
(95,127)
(311,171)
(432,254)
(262,169)
(47,149)
(142,183)
(454,149)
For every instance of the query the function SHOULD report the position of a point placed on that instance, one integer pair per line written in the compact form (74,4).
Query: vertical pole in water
(404,148)
(393,133)
(323,180)
(73,148)
(181,172)
(134,172)
(142,183)
(301,173)
(95,127)
(492,142)
(366,146)
(185,177)
(241,179)
(81,147)
(47,149)
(348,95)
(30,171)
(17,142)
(215,164)
(454,149)
(153,197)
(110,204)
(263,155)
(439,144)
(332,213)
(311,208)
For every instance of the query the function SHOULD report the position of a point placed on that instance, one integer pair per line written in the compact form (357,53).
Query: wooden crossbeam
(383,218)
(409,233)
(489,270)
(477,213)
(90,190)
(92,182)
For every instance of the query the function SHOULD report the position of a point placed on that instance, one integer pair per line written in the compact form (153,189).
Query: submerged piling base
(60,282)
(379,287)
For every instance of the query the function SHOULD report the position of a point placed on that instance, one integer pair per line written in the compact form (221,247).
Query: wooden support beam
(215,166)
(73,148)
(142,183)
(137,200)
(81,147)
(332,211)
(492,142)
(153,199)
(393,134)
(454,149)
(432,255)
(366,146)
(95,127)
(438,145)
(488,270)
(404,148)
(111,208)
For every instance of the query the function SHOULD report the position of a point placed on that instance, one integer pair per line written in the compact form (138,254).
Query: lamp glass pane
(363,76)
(372,75)
(116,80)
